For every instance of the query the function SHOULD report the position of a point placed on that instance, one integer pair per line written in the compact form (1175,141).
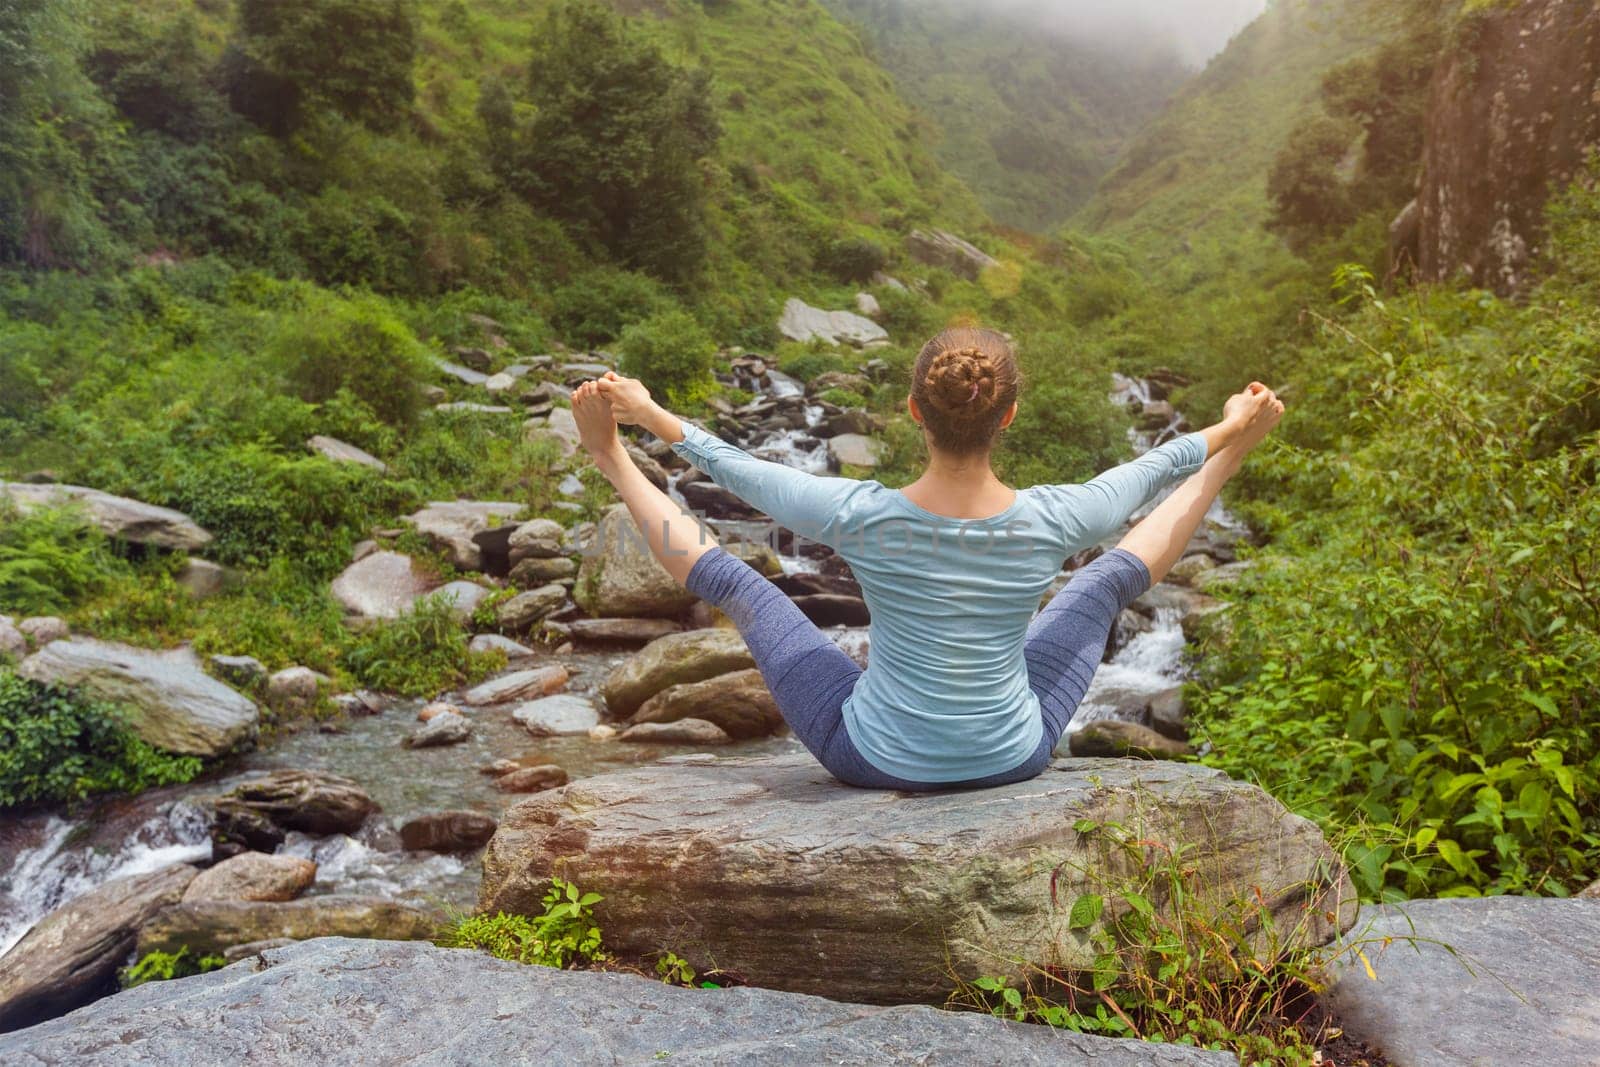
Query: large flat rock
(354,1003)
(118,516)
(780,874)
(172,703)
(1476,982)
(382,585)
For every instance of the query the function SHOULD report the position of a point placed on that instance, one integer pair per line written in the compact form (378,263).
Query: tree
(1310,197)
(291,58)
(612,141)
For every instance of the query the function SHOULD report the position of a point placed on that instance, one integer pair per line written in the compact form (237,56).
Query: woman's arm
(805,503)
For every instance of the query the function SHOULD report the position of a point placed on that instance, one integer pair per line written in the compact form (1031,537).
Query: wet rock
(942,249)
(738,703)
(482,643)
(1209,621)
(851,420)
(679,732)
(713,500)
(536,539)
(802,322)
(253,876)
(1494,980)
(40,630)
(242,672)
(213,927)
(172,703)
(525,610)
(557,716)
(448,728)
(309,801)
(832,609)
(619,576)
(604,732)
(808,583)
(383,585)
(452,527)
(1221,577)
(855,450)
(1118,739)
(202,578)
(756,553)
(360,703)
(294,690)
(341,452)
(648,467)
(534,572)
(531,779)
(1130,624)
(71,957)
(1187,569)
(374,1004)
(518,685)
(1169,714)
(622,631)
(117,517)
(499,767)
(447,831)
(676,659)
(935,882)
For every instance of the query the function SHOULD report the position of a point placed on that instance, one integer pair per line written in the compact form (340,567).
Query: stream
(49,858)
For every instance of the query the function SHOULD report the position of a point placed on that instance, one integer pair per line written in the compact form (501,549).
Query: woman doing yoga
(967,686)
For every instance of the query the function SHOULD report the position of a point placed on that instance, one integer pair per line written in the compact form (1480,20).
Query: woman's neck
(960,487)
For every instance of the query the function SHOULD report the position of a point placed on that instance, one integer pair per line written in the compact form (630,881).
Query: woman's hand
(632,405)
(1252,414)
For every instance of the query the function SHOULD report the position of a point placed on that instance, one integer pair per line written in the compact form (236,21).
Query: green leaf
(1085,911)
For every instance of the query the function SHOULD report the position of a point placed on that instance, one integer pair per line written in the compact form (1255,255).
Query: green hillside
(1028,116)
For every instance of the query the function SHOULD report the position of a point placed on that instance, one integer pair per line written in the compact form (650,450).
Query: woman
(966,687)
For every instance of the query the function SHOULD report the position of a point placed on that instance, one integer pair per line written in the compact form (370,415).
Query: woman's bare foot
(597,428)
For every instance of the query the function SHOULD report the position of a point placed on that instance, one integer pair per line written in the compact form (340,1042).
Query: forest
(228,227)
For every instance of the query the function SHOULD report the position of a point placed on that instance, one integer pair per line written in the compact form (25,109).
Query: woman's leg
(809,676)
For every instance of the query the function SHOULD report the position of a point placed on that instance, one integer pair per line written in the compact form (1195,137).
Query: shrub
(355,344)
(50,559)
(161,966)
(671,354)
(596,308)
(421,653)
(57,747)
(564,936)
(852,259)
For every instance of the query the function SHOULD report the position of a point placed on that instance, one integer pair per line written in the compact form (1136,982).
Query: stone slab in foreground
(1521,986)
(773,871)
(353,1003)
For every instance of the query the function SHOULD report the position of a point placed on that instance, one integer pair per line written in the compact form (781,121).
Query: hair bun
(961,380)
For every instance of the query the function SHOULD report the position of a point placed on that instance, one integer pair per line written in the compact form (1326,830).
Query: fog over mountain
(1196,28)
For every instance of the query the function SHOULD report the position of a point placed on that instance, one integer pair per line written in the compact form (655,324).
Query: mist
(1196,29)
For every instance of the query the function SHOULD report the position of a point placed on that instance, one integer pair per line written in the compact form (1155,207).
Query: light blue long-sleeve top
(945,697)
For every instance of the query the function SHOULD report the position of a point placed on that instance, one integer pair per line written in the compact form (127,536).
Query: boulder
(557,716)
(72,955)
(833,609)
(653,471)
(308,801)
(630,631)
(1487,981)
(452,527)
(253,876)
(440,730)
(676,659)
(118,517)
(868,305)
(941,249)
(464,375)
(1118,739)
(40,630)
(564,428)
(802,322)
(172,703)
(1190,567)
(536,538)
(485,643)
(738,703)
(756,553)
(619,576)
(939,883)
(447,831)
(377,1003)
(856,450)
(476,358)
(214,926)
(850,420)
(242,672)
(535,571)
(525,610)
(202,578)
(294,690)
(838,379)
(678,732)
(518,685)
(500,383)
(531,779)
(1169,714)
(341,452)
(382,585)
(360,703)
(433,710)
(13,644)
(1217,579)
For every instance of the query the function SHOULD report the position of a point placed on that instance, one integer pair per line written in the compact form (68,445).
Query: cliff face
(1514,112)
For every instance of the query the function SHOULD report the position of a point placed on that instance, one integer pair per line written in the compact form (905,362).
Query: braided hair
(964,382)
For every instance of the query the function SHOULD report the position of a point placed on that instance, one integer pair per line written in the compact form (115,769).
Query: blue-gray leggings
(810,677)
